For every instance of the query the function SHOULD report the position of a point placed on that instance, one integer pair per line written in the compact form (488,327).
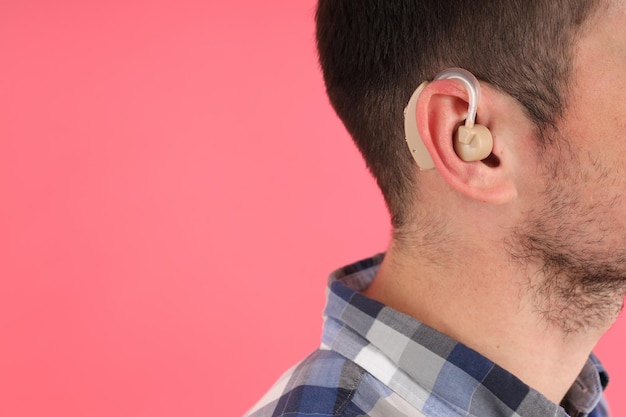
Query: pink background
(174,190)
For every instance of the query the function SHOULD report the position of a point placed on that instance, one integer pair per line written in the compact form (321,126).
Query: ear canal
(473,143)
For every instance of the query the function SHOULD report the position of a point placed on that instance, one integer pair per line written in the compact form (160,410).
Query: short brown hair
(374,53)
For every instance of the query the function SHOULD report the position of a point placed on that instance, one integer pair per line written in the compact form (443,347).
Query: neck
(492,310)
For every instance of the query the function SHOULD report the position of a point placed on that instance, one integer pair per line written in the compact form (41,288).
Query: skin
(525,261)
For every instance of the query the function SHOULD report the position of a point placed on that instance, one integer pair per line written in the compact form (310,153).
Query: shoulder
(324,384)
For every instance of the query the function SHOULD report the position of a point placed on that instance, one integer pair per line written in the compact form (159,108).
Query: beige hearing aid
(472,142)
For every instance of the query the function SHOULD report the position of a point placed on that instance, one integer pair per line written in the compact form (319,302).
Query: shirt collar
(401,351)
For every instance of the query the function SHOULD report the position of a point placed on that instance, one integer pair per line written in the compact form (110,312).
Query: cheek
(596,155)
(587,188)
(605,194)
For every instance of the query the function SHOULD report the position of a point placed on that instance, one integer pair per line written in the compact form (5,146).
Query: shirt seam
(349,398)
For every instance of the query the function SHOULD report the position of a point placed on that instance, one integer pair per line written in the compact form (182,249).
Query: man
(502,273)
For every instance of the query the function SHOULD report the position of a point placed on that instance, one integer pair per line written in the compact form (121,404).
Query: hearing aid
(472,141)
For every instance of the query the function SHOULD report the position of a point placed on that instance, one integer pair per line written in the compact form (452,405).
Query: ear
(440,110)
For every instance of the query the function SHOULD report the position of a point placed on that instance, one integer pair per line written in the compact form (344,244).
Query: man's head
(546,207)
(374,53)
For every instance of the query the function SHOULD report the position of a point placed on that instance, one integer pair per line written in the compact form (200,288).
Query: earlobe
(457,152)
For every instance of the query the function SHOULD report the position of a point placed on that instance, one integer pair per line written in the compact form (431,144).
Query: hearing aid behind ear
(472,142)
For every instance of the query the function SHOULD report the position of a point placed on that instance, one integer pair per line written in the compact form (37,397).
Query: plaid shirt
(377,362)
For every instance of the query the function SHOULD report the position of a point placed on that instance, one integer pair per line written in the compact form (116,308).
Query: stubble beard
(576,281)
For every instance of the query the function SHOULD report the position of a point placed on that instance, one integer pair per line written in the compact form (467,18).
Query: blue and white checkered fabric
(377,362)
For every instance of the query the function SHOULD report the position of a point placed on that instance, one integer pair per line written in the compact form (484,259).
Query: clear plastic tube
(473,90)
